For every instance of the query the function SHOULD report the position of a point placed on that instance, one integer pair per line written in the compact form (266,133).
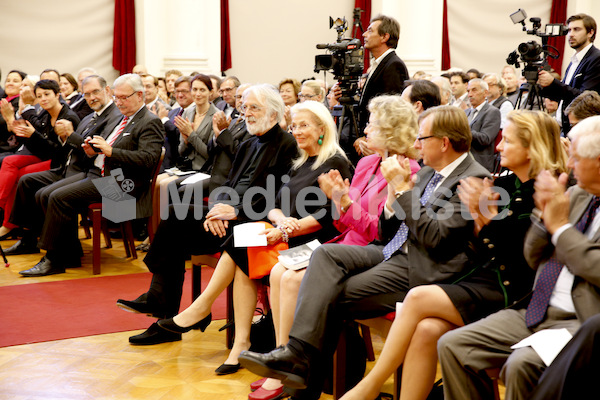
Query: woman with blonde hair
(301,214)
(391,131)
(500,276)
(312,90)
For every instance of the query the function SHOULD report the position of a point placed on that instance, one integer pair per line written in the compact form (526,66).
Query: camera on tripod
(345,61)
(532,53)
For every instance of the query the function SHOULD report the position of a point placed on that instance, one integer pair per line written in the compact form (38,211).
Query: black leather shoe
(226,369)
(154,335)
(143,305)
(281,363)
(21,248)
(44,267)
(171,326)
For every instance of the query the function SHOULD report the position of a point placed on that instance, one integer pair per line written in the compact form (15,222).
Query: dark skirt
(478,296)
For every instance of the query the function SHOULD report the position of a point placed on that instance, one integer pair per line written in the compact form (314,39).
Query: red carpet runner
(41,312)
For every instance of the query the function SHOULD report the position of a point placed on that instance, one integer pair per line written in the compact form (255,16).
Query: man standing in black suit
(134,146)
(386,75)
(583,73)
(34,189)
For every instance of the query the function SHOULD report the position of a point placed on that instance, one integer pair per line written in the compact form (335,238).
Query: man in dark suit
(78,103)
(227,90)
(387,74)
(424,239)
(34,189)
(583,73)
(133,145)
(224,144)
(267,155)
(484,121)
(563,246)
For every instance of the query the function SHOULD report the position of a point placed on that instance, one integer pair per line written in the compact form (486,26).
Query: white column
(420,45)
(179,34)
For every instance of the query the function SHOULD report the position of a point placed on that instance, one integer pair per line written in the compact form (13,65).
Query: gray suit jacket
(485,128)
(580,254)
(196,147)
(436,245)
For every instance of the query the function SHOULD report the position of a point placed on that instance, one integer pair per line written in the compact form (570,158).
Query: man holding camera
(583,73)
(386,75)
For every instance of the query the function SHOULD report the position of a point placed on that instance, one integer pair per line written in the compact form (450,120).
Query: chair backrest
(156,170)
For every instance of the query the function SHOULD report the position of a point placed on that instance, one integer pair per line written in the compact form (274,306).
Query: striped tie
(111,140)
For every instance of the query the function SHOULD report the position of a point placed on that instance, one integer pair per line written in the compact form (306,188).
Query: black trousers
(176,239)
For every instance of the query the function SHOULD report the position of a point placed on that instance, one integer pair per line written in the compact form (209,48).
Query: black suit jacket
(275,160)
(586,77)
(484,129)
(171,141)
(136,151)
(222,151)
(80,106)
(437,247)
(388,78)
(44,142)
(101,126)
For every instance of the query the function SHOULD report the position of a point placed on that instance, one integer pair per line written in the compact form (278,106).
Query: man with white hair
(562,244)
(133,146)
(269,153)
(496,98)
(445,89)
(484,121)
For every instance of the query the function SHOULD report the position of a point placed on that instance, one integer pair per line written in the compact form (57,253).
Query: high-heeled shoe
(170,325)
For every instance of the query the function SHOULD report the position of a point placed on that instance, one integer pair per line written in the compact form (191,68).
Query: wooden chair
(99,224)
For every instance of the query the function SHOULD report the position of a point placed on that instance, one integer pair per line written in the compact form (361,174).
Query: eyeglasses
(420,139)
(306,96)
(227,89)
(182,91)
(237,97)
(300,127)
(92,93)
(250,107)
(123,98)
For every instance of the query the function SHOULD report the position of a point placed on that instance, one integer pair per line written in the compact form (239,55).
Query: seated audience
(41,148)
(496,98)
(500,277)
(445,89)
(12,87)
(391,131)
(34,189)
(68,87)
(345,281)
(562,245)
(308,218)
(289,89)
(484,121)
(188,230)
(311,90)
(134,146)
(227,91)
(195,125)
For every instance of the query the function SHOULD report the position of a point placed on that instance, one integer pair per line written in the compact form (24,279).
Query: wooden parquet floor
(107,366)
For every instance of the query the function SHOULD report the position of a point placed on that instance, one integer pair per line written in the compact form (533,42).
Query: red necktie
(114,138)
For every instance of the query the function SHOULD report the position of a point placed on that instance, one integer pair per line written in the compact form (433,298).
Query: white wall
(270,39)
(66,35)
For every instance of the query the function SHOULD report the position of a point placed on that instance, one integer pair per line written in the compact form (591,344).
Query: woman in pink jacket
(391,131)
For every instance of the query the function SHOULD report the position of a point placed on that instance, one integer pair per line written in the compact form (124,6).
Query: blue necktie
(400,237)
(544,286)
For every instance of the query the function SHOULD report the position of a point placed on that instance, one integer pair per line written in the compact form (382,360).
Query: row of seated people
(284,227)
(120,136)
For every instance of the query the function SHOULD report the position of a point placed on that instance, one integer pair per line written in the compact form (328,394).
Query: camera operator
(386,76)
(583,73)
